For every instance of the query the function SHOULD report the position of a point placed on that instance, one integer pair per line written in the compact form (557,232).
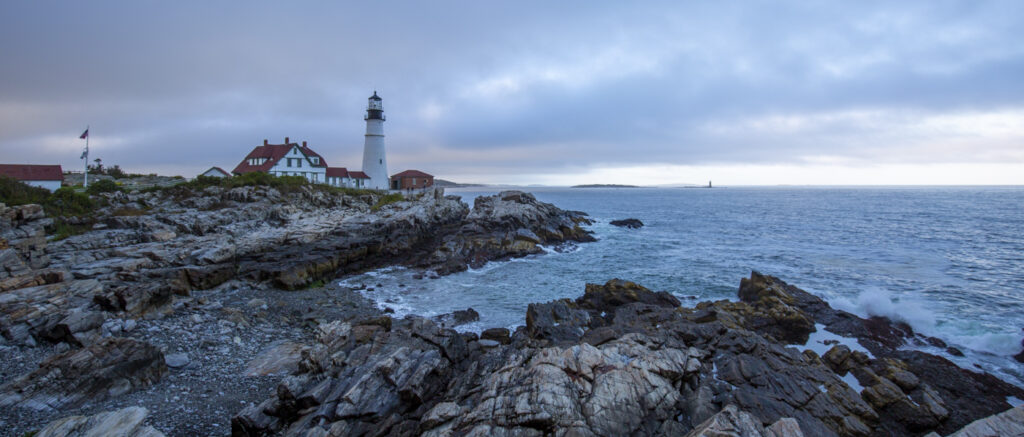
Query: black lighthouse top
(374,109)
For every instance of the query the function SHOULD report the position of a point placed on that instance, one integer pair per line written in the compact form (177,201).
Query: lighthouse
(375,163)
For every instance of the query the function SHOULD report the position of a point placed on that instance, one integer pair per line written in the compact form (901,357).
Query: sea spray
(875,301)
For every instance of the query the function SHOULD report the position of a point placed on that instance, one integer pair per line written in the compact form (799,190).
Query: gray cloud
(493,90)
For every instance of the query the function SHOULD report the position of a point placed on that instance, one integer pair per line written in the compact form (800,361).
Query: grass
(386,199)
(63,229)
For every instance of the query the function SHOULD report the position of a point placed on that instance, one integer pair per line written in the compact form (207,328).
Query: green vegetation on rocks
(103,186)
(385,200)
(14,192)
(65,202)
(284,184)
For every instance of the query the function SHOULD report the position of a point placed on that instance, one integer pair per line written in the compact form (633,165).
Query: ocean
(949,261)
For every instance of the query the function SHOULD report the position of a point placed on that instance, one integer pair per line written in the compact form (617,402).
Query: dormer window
(315,160)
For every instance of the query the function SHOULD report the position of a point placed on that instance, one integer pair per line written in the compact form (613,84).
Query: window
(382,161)
(315,160)
(298,163)
(289,162)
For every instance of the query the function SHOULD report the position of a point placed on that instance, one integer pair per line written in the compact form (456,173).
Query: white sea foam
(875,301)
(993,343)
(879,302)
(1014,402)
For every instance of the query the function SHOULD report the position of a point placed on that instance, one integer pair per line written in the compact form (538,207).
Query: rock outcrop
(126,422)
(509,224)
(148,247)
(110,367)
(630,223)
(621,360)
(1007,423)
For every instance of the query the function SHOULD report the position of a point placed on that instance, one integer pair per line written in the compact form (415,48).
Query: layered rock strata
(148,251)
(148,247)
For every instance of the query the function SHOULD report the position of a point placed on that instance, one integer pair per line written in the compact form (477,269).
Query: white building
(288,159)
(291,159)
(215,172)
(375,163)
(43,176)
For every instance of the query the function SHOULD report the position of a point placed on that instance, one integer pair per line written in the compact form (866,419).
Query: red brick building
(411,179)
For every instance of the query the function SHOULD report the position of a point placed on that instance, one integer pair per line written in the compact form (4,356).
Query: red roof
(357,175)
(29,172)
(273,153)
(337,172)
(411,174)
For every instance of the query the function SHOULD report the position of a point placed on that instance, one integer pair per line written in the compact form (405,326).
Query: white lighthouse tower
(375,164)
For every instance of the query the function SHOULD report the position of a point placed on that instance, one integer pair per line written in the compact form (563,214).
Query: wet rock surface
(630,223)
(620,360)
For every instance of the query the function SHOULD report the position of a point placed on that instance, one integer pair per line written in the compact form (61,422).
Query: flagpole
(85,181)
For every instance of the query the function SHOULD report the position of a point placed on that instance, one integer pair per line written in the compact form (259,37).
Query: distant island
(604,186)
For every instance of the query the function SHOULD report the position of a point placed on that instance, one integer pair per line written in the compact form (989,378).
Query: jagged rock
(110,367)
(457,318)
(630,223)
(1007,423)
(509,224)
(730,422)
(126,422)
(500,335)
(619,360)
(278,358)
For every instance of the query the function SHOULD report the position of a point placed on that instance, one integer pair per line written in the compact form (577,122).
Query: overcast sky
(755,92)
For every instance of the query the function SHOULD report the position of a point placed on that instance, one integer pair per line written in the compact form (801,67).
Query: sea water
(949,261)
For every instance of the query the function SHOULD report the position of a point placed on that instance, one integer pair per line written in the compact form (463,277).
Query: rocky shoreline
(624,360)
(202,286)
(215,313)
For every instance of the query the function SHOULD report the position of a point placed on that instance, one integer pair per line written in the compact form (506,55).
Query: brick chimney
(286,141)
(303,144)
(264,141)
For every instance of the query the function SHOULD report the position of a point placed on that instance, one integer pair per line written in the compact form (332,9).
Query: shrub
(65,202)
(14,192)
(284,184)
(103,186)
(116,172)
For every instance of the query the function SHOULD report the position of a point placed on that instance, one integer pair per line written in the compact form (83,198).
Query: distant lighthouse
(375,163)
